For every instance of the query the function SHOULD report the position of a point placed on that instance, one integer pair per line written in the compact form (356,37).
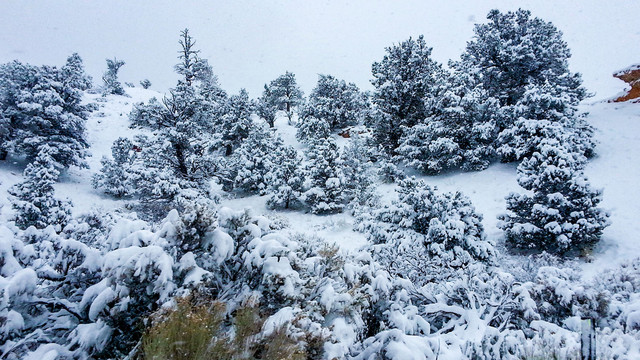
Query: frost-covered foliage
(286,179)
(311,129)
(116,176)
(33,199)
(424,234)
(267,106)
(112,85)
(560,213)
(406,82)
(42,106)
(336,102)
(254,160)
(324,186)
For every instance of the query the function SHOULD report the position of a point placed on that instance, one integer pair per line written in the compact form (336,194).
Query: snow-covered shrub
(33,199)
(112,85)
(116,177)
(145,83)
(423,233)
(358,174)
(389,172)
(325,181)
(561,214)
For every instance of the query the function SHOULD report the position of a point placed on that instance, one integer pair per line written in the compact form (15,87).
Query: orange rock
(631,76)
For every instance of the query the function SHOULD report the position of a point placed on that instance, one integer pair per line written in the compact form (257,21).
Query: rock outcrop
(631,76)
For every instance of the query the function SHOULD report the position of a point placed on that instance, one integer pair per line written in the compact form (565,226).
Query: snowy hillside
(481,209)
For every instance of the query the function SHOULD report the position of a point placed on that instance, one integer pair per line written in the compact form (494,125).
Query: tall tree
(406,81)
(286,92)
(110,78)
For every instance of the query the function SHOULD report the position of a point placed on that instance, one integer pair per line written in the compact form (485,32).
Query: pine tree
(286,179)
(236,123)
(359,186)
(145,83)
(254,160)
(311,128)
(561,214)
(523,63)
(33,199)
(336,102)
(286,93)
(116,177)
(42,105)
(112,85)
(325,181)
(267,106)
(406,82)
(460,133)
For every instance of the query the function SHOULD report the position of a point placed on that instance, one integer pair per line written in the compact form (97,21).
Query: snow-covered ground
(616,169)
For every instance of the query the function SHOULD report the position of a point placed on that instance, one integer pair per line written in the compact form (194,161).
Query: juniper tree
(267,106)
(33,199)
(43,106)
(286,180)
(406,81)
(325,182)
(112,85)
(286,93)
(560,211)
(236,123)
(116,177)
(336,102)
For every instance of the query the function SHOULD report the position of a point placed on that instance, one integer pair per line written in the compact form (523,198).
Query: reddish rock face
(631,76)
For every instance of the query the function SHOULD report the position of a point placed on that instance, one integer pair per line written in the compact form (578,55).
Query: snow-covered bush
(253,161)
(358,173)
(33,199)
(424,234)
(561,214)
(145,83)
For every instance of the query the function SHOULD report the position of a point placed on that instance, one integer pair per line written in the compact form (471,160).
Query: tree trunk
(182,166)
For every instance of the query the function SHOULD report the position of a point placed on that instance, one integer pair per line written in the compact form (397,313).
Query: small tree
(311,129)
(254,161)
(286,93)
(115,177)
(33,199)
(325,182)
(267,106)
(112,85)
(286,179)
(236,123)
(145,83)
(336,102)
(561,214)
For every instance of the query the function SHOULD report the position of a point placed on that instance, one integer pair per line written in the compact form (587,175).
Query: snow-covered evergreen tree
(33,199)
(112,85)
(406,82)
(523,63)
(336,102)
(359,175)
(311,128)
(286,93)
(42,106)
(145,83)
(460,133)
(236,123)
(424,234)
(286,179)
(561,213)
(325,181)
(267,106)
(116,176)
(254,160)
